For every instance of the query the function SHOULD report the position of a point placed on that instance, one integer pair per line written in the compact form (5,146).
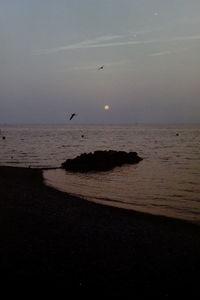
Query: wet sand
(49,235)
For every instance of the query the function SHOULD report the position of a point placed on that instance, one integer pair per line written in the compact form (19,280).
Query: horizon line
(99,124)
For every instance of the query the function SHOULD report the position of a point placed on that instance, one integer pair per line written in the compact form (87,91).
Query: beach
(48,235)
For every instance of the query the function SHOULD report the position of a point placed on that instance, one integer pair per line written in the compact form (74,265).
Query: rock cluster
(100,161)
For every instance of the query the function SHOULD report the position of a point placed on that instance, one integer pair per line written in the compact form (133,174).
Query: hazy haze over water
(51,50)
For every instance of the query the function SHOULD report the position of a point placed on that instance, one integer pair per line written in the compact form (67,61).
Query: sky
(50,52)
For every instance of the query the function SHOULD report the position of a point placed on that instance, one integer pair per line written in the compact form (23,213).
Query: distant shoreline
(49,235)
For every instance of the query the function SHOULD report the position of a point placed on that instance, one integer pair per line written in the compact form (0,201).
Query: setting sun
(106,107)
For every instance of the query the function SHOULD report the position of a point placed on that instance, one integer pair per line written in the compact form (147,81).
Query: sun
(106,107)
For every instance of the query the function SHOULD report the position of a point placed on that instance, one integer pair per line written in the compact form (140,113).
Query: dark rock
(100,161)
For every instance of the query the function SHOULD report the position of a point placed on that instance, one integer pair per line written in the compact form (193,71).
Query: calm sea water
(166,182)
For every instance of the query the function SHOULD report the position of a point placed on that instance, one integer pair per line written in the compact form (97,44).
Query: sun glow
(106,107)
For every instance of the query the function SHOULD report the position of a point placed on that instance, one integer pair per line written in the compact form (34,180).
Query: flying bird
(72,115)
(101,68)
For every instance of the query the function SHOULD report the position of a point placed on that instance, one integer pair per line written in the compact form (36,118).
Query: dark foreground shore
(49,235)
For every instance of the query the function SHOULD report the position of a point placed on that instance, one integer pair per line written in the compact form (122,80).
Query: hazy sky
(50,51)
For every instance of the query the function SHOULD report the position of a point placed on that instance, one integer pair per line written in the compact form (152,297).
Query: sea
(166,182)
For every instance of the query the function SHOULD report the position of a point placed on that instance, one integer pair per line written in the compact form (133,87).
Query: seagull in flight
(101,68)
(72,115)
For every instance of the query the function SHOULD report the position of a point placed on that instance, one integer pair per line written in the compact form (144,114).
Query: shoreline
(49,181)
(51,235)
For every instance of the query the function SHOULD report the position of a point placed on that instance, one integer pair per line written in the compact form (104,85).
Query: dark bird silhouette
(101,68)
(72,115)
